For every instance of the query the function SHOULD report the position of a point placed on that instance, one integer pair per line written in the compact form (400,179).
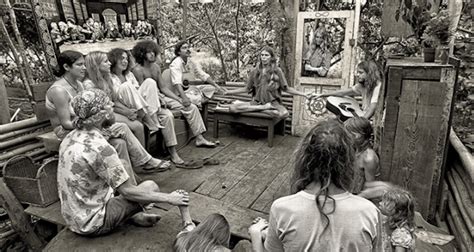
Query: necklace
(75,87)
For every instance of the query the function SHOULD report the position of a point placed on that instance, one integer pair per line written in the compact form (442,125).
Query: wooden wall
(412,129)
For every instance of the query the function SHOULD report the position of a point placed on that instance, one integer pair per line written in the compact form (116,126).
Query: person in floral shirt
(90,173)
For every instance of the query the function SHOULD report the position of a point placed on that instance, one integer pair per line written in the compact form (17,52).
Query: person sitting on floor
(183,64)
(71,70)
(265,83)
(90,172)
(366,165)
(322,215)
(212,234)
(369,82)
(145,54)
(399,208)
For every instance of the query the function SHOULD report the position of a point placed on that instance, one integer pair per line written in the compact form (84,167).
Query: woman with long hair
(366,162)
(130,108)
(318,57)
(145,95)
(213,234)
(265,83)
(369,82)
(321,215)
(70,71)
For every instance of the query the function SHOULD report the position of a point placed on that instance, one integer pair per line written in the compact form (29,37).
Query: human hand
(186,102)
(178,198)
(259,224)
(132,115)
(308,67)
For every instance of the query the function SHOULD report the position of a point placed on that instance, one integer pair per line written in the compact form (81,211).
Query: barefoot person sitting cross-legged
(265,83)
(90,173)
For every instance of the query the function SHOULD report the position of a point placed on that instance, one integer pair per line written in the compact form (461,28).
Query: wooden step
(126,238)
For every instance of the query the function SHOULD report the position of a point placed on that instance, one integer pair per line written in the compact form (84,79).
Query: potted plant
(438,28)
(429,49)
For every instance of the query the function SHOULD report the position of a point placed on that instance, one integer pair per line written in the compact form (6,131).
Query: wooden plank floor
(250,174)
(243,186)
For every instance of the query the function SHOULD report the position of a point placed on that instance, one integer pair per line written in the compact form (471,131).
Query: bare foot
(145,219)
(202,142)
(269,106)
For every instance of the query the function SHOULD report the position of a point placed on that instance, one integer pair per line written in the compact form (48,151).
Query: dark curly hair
(140,50)
(326,156)
(115,55)
(177,47)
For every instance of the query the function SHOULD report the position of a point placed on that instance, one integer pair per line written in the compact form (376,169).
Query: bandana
(89,102)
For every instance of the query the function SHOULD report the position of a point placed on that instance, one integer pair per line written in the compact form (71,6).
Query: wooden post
(185,17)
(288,45)
(20,221)
(4,108)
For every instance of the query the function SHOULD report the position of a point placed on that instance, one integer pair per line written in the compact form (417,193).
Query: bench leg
(281,127)
(271,134)
(216,125)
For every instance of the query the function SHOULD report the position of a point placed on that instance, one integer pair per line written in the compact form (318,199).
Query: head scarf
(89,107)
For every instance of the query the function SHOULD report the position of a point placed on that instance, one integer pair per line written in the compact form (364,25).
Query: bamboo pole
(4,107)
(21,47)
(12,47)
(460,225)
(452,226)
(464,154)
(23,131)
(20,150)
(19,140)
(464,210)
(18,125)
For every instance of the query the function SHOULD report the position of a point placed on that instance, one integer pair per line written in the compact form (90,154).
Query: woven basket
(32,184)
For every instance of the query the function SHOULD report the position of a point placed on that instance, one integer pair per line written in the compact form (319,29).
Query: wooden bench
(251,118)
(278,125)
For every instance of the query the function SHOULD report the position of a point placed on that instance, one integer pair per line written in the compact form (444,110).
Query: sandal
(162,166)
(210,161)
(191,164)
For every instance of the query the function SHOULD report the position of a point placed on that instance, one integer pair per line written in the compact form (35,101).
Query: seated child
(366,166)
(213,234)
(399,225)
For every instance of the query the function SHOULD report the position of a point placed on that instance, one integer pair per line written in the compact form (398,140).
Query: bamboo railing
(456,206)
(20,138)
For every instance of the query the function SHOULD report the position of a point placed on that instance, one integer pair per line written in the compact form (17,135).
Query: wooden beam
(20,221)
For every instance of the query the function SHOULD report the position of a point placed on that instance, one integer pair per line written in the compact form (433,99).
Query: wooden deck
(248,179)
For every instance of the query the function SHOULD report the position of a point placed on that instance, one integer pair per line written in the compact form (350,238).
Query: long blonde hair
(212,233)
(101,80)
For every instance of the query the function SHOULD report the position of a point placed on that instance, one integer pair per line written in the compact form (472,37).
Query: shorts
(117,211)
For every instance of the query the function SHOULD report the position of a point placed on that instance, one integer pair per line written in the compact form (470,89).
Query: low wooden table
(251,118)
